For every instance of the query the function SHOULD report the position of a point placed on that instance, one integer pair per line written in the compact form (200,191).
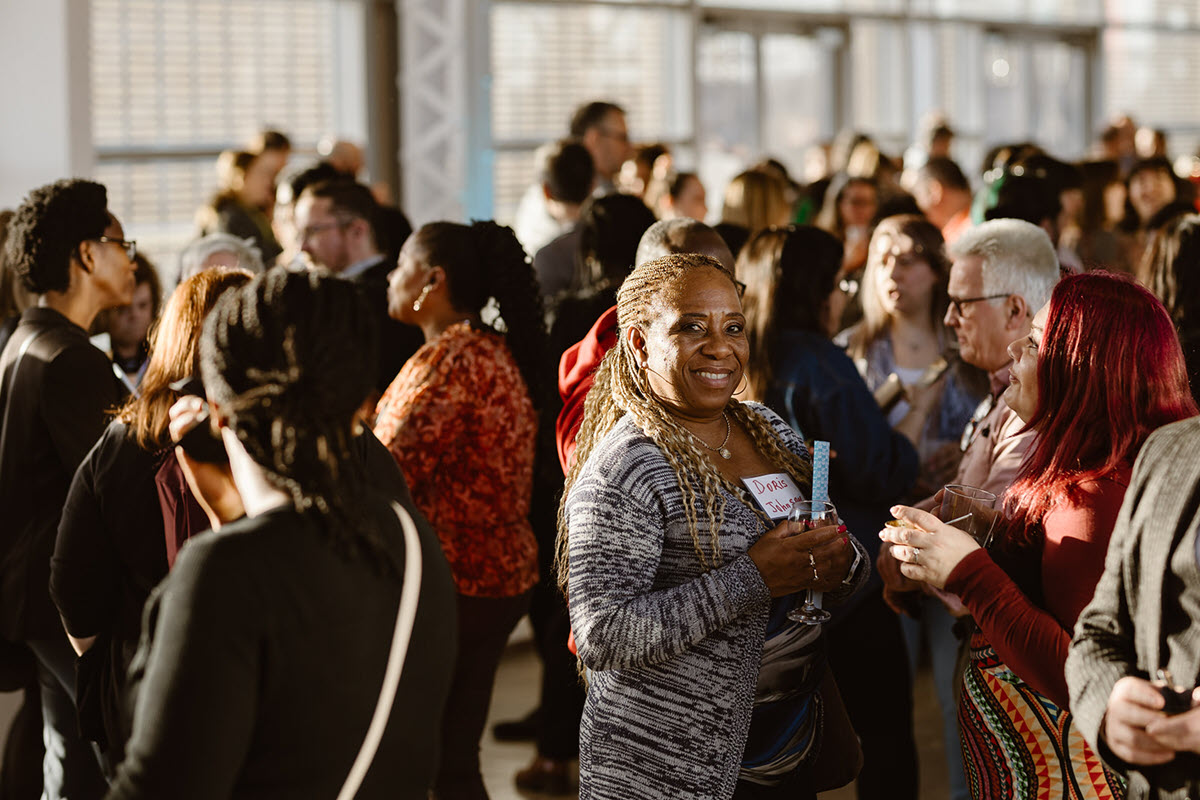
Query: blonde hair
(621,388)
(928,244)
(756,200)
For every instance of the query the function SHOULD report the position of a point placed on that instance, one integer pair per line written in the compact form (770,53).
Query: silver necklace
(720,449)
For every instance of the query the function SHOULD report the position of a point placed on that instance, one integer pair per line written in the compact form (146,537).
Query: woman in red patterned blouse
(460,421)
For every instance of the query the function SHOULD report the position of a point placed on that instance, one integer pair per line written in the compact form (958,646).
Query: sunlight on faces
(982,338)
(905,280)
(112,270)
(1022,392)
(696,349)
(406,281)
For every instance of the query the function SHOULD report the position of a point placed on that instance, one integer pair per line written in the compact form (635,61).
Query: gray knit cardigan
(673,651)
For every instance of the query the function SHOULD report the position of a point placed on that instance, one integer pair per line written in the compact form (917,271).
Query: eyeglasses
(129,245)
(313,230)
(958,304)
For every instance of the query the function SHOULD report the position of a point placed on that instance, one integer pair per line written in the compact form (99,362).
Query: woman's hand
(931,550)
(791,557)
(211,484)
(901,593)
(1133,707)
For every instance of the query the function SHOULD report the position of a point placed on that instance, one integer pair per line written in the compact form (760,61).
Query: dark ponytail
(484,261)
(287,358)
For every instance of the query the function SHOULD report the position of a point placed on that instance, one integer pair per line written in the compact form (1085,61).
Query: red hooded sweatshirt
(576,373)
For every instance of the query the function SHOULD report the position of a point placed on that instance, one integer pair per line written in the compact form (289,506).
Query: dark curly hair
(484,261)
(288,358)
(610,228)
(48,229)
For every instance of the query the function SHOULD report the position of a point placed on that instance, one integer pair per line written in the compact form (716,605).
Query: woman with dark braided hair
(679,573)
(264,651)
(460,421)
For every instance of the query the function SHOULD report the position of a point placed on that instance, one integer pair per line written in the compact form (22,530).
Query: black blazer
(53,400)
(397,341)
(1151,559)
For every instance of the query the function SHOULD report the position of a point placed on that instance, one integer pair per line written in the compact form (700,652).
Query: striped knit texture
(1120,632)
(673,651)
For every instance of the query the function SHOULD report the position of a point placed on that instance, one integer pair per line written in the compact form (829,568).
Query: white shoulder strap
(405,617)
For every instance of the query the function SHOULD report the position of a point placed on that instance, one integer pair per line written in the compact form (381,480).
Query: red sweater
(1033,641)
(576,373)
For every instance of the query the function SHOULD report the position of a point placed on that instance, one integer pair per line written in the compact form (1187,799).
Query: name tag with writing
(775,493)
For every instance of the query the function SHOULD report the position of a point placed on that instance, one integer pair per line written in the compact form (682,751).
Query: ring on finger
(916,553)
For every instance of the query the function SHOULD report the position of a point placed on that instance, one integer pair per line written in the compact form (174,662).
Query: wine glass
(960,506)
(817,511)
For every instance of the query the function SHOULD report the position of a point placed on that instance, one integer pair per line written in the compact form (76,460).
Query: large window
(174,82)
(547,59)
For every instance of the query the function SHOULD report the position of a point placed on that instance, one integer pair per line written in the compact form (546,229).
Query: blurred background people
(678,194)
(754,200)
(568,176)
(1170,269)
(123,332)
(339,228)
(243,202)
(849,212)
(944,196)
(219,250)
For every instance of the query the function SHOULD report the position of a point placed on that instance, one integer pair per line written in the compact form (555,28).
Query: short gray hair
(249,257)
(1018,258)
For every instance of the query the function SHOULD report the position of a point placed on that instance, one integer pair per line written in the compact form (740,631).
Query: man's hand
(1180,732)
(1134,705)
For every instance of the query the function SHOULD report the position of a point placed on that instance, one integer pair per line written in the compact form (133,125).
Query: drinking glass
(959,506)
(820,512)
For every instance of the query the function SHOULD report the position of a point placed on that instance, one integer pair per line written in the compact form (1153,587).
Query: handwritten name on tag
(775,493)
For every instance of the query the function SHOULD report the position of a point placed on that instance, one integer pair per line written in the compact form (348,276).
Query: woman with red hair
(1101,369)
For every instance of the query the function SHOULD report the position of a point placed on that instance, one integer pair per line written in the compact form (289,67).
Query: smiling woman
(678,581)
(1100,370)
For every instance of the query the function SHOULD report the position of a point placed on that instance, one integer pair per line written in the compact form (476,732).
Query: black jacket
(55,388)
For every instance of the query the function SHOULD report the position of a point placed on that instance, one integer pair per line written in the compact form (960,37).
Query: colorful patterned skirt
(1018,745)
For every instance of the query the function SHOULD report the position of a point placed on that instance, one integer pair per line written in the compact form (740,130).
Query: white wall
(45,129)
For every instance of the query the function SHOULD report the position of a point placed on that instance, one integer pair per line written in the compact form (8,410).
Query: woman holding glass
(1092,399)
(678,577)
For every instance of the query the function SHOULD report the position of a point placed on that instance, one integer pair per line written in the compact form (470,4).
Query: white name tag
(775,493)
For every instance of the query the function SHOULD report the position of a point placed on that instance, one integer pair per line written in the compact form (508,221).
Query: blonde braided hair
(621,387)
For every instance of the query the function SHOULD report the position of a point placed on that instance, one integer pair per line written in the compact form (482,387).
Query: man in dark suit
(1145,616)
(342,228)
(55,390)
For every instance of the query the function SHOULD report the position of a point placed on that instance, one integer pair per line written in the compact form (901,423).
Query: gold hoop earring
(416,306)
(741,385)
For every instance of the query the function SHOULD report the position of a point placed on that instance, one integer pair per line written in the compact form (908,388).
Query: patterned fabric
(786,719)
(1018,745)
(459,422)
(674,650)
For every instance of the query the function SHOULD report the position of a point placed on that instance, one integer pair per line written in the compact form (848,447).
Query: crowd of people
(269,532)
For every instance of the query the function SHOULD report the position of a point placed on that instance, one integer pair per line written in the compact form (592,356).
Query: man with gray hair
(1002,272)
